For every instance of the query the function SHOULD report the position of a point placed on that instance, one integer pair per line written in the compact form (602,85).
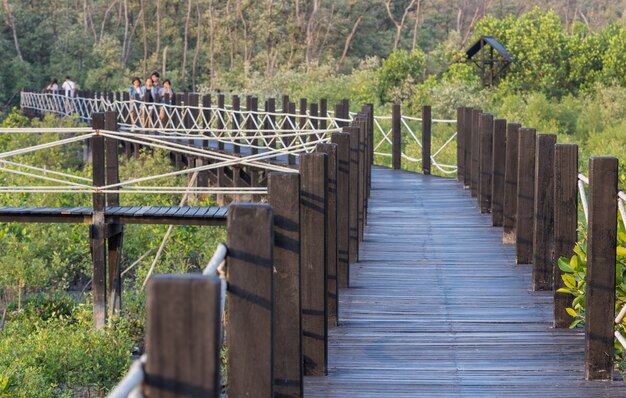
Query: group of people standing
(69,87)
(152,91)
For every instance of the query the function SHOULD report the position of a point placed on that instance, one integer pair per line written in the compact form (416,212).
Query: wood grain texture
(396,137)
(250,300)
(354,192)
(510,184)
(485,162)
(343,207)
(543,235)
(313,218)
(499,165)
(426,138)
(565,222)
(331,231)
(429,318)
(467,132)
(525,196)
(460,143)
(601,245)
(475,151)
(183,336)
(284,196)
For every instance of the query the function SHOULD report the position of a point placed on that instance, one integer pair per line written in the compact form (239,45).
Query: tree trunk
(186,39)
(398,24)
(198,44)
(346,46)
(11,22)
(417,21)
(145,37)
(158,34)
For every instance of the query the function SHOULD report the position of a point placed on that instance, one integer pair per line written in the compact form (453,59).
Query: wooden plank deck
(438,308)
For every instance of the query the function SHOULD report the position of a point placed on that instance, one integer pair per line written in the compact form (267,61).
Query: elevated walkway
(438,307)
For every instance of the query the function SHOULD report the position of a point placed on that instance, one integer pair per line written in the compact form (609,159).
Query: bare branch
(346,46)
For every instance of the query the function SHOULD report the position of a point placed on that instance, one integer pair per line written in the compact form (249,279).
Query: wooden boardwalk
(438,308)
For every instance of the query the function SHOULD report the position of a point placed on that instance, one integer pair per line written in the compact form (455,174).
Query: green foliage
(573,274)
(396,69)
(37,364)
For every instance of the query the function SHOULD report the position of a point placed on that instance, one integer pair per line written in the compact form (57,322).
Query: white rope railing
(621,200)
(582,180)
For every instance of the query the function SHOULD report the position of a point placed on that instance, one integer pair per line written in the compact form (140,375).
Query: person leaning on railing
(166,98)
(149,94)
(134,94)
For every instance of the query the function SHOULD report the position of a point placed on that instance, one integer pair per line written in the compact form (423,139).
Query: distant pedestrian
(149,94)
(70,90)
(53,86)
(155,76)
(167,97)
(134,93)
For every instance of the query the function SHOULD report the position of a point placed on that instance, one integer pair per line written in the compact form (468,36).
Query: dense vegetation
(568,79)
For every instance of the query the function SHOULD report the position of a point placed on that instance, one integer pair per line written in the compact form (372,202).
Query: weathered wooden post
(313,219)
(342,140)
(97,229)
(291,159)
(396,137)
(115,232)
(426,138)
(237,123)
(485,162)
(250,300)
(525,196)
(467,148)
(331,232)
(360,122)
(323,113)
(284,196)
(183,336)
(314,113)
(221,125)
(475,151)
(499,165)
(601,246)
(543,235)
(253,107)
(510,184)
(354,192)
(460,143)
(565,222)
(270,120)
(302,120)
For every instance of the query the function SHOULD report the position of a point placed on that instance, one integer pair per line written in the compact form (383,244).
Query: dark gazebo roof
(484,40)
(492,61)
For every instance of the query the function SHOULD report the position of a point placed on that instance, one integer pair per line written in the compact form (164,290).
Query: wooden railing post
(499,165)
(270,120)
(323,113)
(237,121)
(525,196)
(396,137)
(601,246)
(426,138)
(220,122)
(342,140)
(565,222)
(183,336)
(485,162)
(354,192)
(303,116)
(543,235)
(250,300)
(331,232)
(510,184)
(370,150)
(460,144)
(313,219)
(284,196)
(97,229)
(475,151)
(362,175)
(292,111)
(116,231)
(467,147)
